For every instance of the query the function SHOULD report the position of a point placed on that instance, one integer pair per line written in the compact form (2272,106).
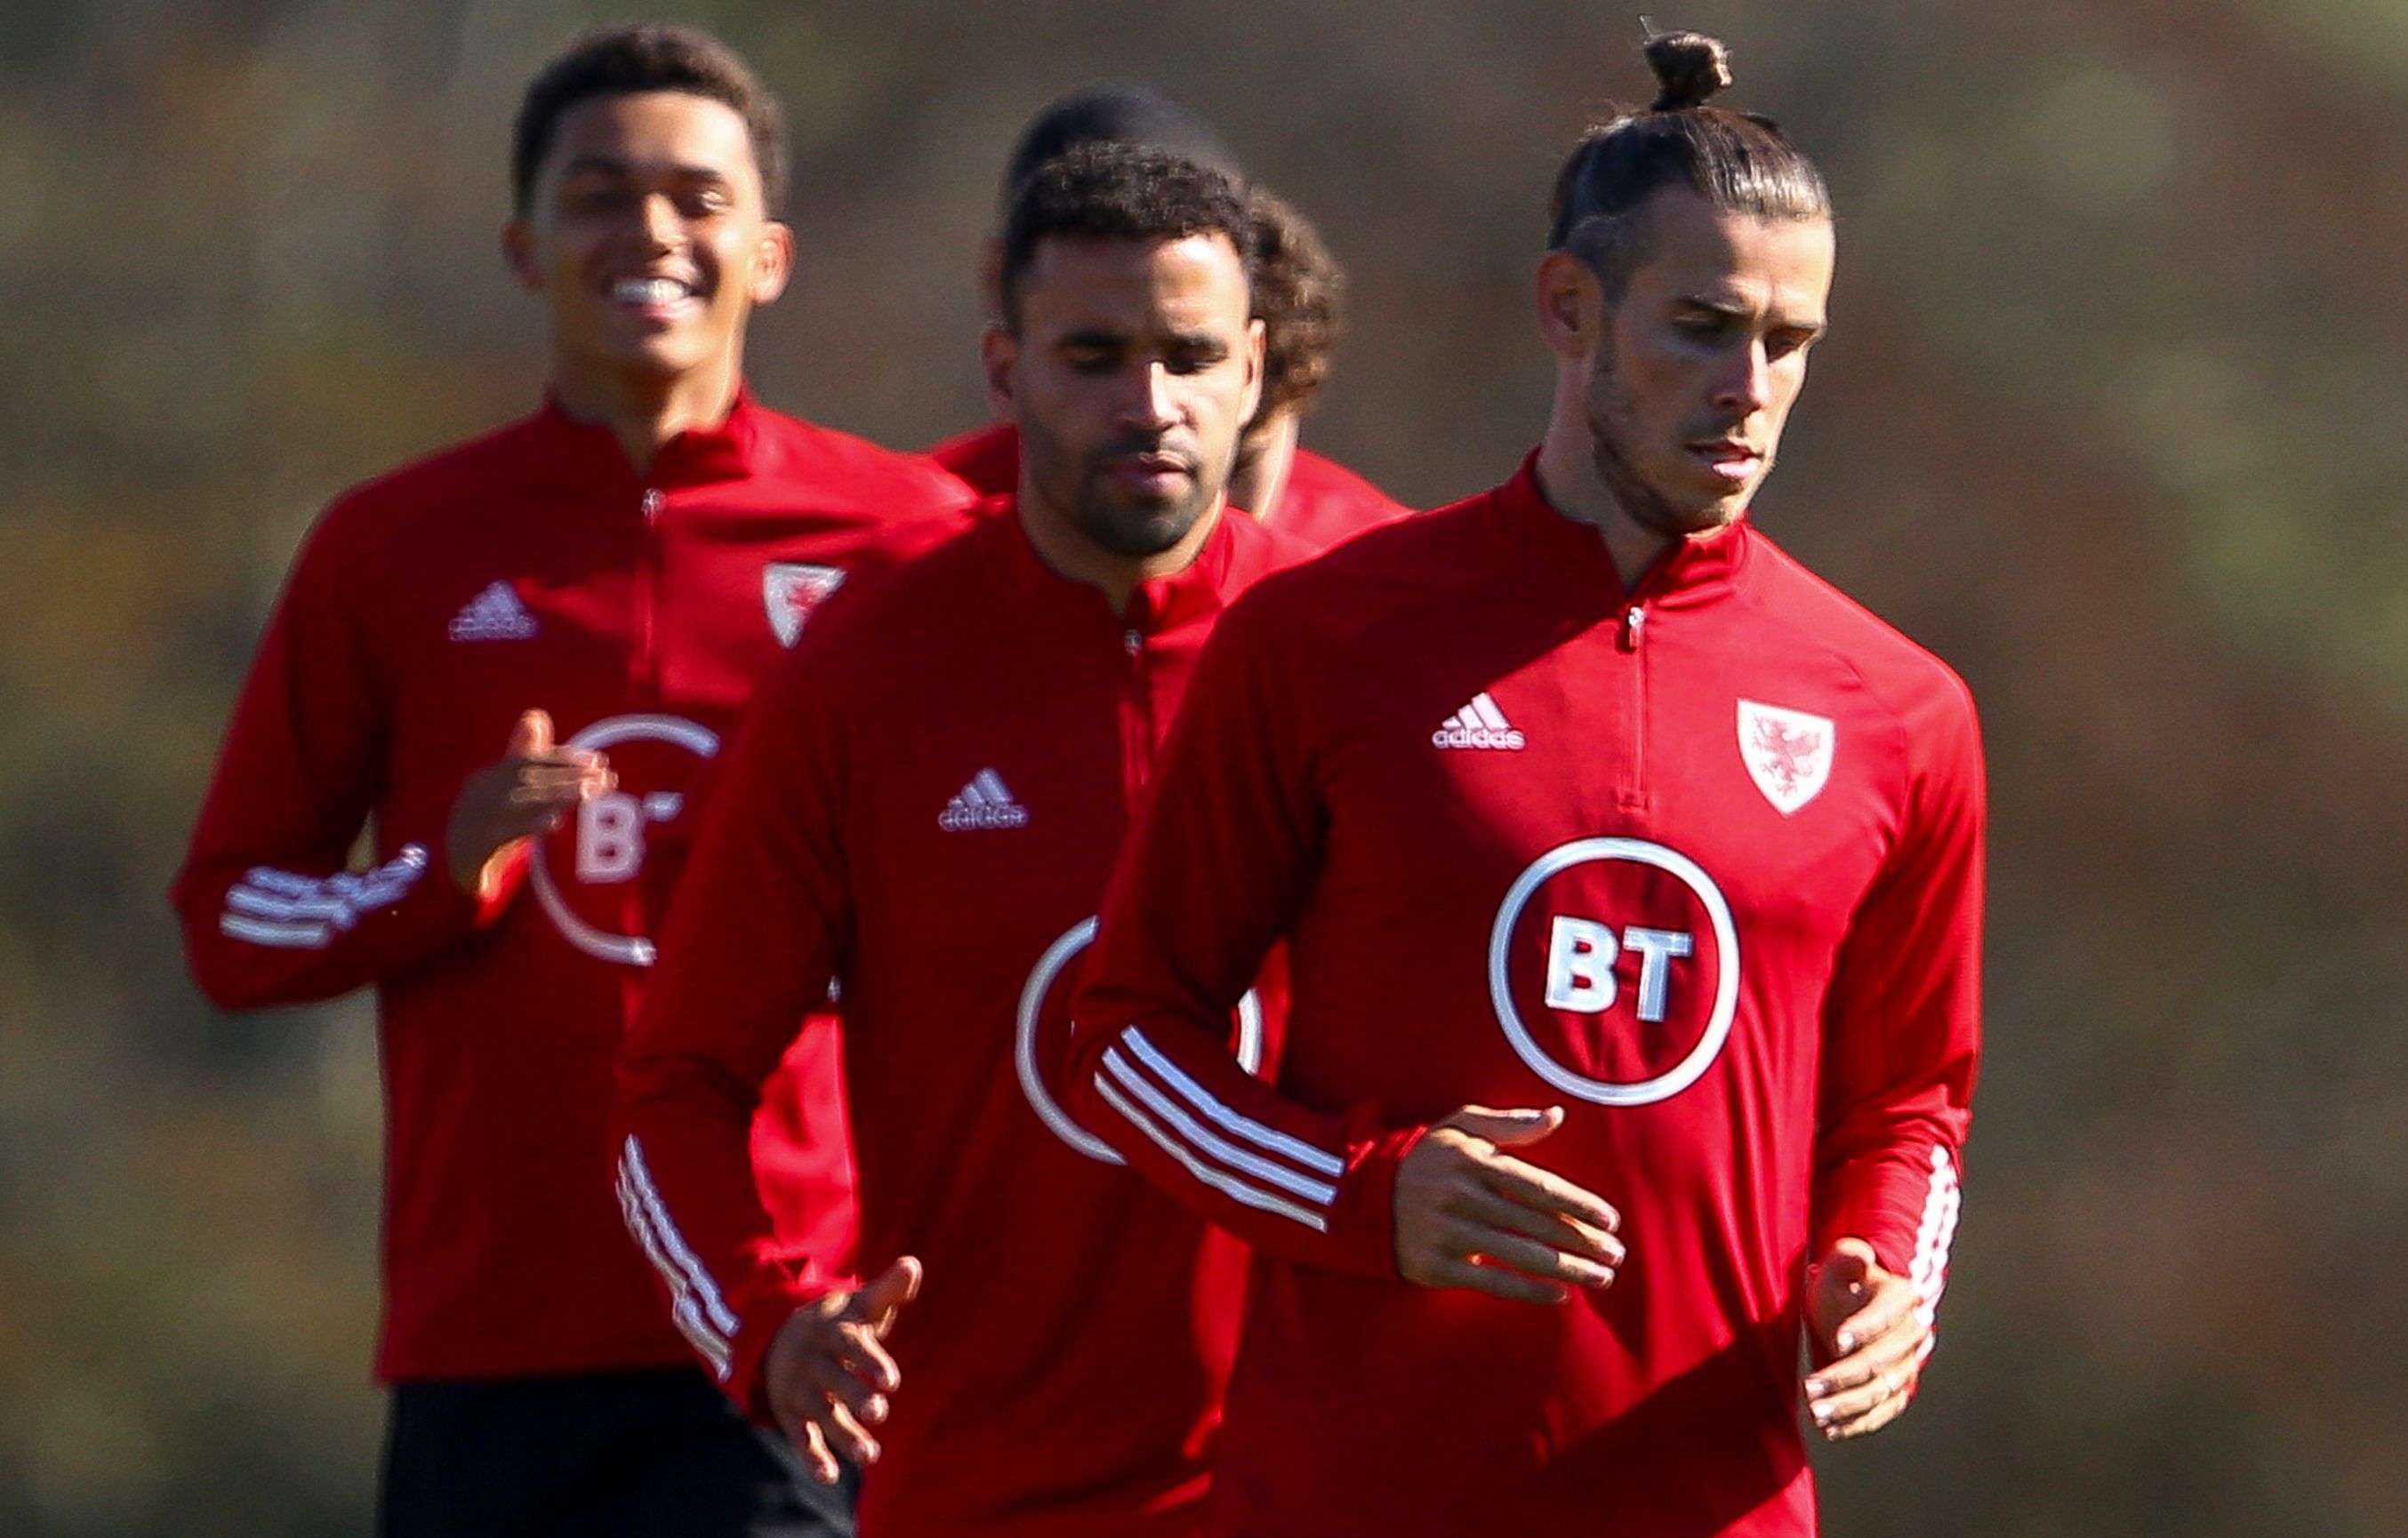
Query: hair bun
(1690,66)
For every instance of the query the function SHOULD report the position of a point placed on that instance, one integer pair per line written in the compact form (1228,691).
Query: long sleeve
(271,911)
(756,929)
(1218,864)
(1901,1022)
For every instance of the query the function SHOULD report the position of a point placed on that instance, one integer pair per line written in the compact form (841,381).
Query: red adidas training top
(1700,862)
(1322,503)
(528,568)
(925,805)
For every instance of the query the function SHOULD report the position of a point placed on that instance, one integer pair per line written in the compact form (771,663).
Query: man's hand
(1468,1215)
(526,792)
(827,1375)
(1866,1327)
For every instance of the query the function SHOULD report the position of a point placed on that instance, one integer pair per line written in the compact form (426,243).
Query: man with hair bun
(1297,288)
(514,659)
(923,808)
(1630,878)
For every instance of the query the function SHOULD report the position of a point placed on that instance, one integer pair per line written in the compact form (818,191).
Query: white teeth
(649,290)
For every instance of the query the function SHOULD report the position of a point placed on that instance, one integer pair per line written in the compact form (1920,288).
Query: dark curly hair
(647,56)
(1118,191)
(1298,293)
(1115,112)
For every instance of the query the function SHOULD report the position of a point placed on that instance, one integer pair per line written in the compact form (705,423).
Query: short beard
(1141,533)
(1641,502)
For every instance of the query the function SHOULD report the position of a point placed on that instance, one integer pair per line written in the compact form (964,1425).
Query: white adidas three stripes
(1245,1160)
(288,911)
(702,1315)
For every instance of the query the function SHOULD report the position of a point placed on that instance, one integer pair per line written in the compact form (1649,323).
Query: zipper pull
(1634,619)
(652,500)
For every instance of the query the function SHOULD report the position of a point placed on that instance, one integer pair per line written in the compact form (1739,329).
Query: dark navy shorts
(600,1455)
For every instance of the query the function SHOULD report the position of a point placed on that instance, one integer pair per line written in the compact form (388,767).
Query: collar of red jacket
(1158,605)
(589,451)
(1692,571)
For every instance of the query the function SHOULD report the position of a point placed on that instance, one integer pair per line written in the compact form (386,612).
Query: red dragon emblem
(1787,753)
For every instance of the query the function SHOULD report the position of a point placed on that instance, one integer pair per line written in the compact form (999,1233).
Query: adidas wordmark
(984,803)
(1479,724)
(493,615)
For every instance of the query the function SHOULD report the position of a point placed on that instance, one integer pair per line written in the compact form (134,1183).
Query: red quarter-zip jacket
(923,805)
(531,567)
(1700,862)
(1322,503)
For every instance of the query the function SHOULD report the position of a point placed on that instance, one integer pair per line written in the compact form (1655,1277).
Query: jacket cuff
(1363,1219)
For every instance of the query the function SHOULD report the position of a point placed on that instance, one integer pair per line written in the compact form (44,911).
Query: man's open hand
(1866,1326)
(1470,1215)
(827,1374)
(524,794)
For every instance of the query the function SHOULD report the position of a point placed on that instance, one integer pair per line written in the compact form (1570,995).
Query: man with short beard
(462,645)
(1297,289)
(1630,877)
(922,809)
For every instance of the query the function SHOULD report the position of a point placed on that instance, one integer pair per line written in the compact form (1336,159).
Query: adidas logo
(1479,724)
(984,803)
(493,615)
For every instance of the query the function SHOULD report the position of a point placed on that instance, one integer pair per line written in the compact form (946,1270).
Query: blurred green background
(2113,416)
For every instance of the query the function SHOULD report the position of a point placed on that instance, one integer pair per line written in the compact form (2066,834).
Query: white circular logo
(1658,945)
(611,833)
(1024,1044)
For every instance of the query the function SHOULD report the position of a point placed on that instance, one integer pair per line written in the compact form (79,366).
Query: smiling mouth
(650,292)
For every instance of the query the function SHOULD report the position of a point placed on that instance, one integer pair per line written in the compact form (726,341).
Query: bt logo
(1583,954)
(612,833)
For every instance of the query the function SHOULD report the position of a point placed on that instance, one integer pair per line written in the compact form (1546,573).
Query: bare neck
(1570,481)
(1263,465)
(645,410)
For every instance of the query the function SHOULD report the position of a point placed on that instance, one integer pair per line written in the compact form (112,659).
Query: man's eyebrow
(1728,309)
(621,165)
(1092,337)
(1203,343)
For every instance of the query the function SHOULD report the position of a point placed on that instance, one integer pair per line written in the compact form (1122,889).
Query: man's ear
(999,360)
(518,254)
(773,263)
(1570,305)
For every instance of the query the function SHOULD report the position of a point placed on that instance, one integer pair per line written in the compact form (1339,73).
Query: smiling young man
(616,571)
(1631,882)
(923,808)
(1312,500)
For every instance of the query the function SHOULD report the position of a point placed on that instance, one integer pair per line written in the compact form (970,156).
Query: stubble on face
(1700,353)
(1132,380)
(1081,485)
(1611,412)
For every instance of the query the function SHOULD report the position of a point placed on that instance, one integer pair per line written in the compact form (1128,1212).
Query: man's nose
(658,217)
(1150,401)
(1747,384)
